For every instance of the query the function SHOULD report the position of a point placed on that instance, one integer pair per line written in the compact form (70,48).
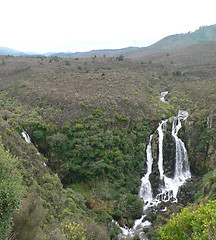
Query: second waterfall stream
(166,186)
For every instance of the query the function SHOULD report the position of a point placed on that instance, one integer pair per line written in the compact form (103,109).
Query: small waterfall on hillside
(209,122)
(28,140)
(167,186)
(26,137)
(163,94)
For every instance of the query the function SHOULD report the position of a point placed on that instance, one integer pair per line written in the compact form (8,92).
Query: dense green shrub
(120,58)
(74,231)
(192,224)
(117,214)
(28,220)
(177,73)
(10,191)
(91,148)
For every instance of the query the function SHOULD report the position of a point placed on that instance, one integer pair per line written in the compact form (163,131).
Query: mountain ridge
(178,41)
(171,42)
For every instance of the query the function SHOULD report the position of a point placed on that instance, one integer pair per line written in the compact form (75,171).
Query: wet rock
(169,155)
(186,192)
(155,182)
(130,223)
(151,215)
(145,230)
(122,222)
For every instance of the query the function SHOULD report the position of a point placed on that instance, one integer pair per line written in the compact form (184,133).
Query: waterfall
(145,190)
(168,187)
(209,122)
(160,130)
(26,137)
(28,140)
(163,94)
(182,170)
(169,190)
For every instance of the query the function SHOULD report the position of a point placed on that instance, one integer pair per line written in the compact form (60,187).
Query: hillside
(201,53)
(178,41)
(98,53)
(9,51)
(89,121)
(173,42)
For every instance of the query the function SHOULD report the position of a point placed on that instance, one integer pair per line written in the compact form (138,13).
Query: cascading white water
(163,94)
(168,186)
(160,130)
(26,137)
(209,122)
(182,170)
(169,191)
(145,190)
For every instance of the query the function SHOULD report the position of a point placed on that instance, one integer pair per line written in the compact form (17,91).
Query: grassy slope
(179,41)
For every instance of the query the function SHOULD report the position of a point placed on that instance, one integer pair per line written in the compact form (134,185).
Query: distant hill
(178,41)
(13,52)
(98,53)
(9,51)
(174,42)
(196,54)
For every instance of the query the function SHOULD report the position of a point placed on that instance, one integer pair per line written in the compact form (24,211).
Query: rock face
(169,155)
(186,192)
(201,145)
(154,176)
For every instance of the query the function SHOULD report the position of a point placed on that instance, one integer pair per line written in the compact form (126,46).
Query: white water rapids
(168,187)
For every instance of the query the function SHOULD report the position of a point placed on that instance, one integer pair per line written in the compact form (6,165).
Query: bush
(192,224)
(28,220)
(117,214)
(177,73)
(38,135)
(74,231)
(120,58)
(67,63)
(10,191)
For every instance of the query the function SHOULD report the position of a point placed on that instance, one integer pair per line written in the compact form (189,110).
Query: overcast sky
(82,25)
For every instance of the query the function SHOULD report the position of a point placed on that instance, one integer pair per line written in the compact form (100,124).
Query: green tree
(120,58)
(10,191)
(28,220)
